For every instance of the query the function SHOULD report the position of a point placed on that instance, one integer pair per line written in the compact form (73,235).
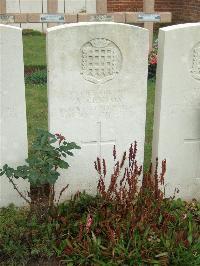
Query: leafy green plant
(36,77)
(64,238)
(24,239)
(49,153)
(128,222)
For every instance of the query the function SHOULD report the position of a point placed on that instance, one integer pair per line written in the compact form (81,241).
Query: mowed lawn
(36,95)
(34,49)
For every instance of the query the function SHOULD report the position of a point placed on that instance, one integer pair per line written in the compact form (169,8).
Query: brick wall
(124,5)
(191,10)
(182,10)
(174,6)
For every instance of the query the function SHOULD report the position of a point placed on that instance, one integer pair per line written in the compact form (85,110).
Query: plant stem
(15,187)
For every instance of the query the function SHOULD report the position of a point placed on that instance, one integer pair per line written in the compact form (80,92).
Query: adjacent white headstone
(177,110)
(13,128)
(91,6)
(97,87)
(31,6)
(79,6)
(75,6)
(12,6)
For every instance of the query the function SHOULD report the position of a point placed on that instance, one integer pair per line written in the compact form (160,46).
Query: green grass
(166,233)
(149,123)
(34,49)
(36,95)
(36,104)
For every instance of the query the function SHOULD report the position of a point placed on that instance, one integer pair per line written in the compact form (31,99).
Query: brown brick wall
(124,5)
(182,10)
(191,10)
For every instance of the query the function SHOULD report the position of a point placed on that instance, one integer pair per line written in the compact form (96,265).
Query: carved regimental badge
(196,62)
(101,60)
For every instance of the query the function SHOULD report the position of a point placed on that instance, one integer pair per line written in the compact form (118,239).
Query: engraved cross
(99,142)
(195,142)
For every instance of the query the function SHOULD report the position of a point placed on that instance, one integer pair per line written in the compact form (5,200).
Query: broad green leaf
(72,145)
(70,153)
(63,165)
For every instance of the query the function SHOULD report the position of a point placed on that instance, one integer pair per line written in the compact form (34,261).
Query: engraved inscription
(106,102)
(7,19)
(101,18)
(196,62)
(52,18)
(101,60)
(149,17)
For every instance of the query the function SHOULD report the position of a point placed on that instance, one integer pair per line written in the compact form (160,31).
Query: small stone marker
(13,127)
(177,109)
(97,86)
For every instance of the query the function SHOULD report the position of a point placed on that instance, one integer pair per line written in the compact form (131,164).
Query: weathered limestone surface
(13,126)
(77,6)
(34,6)
(177,109)
(97,86)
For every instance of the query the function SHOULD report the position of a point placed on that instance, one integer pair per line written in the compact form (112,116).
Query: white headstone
(31,6)
(13,128)
(75,6)
(91,6)
(97,86)
(12,6)
(177,109)
(79,6)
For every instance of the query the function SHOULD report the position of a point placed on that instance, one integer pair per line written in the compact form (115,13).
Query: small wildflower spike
(114,152)
(89,223)
(99,165)
(104,167)
(123,160)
